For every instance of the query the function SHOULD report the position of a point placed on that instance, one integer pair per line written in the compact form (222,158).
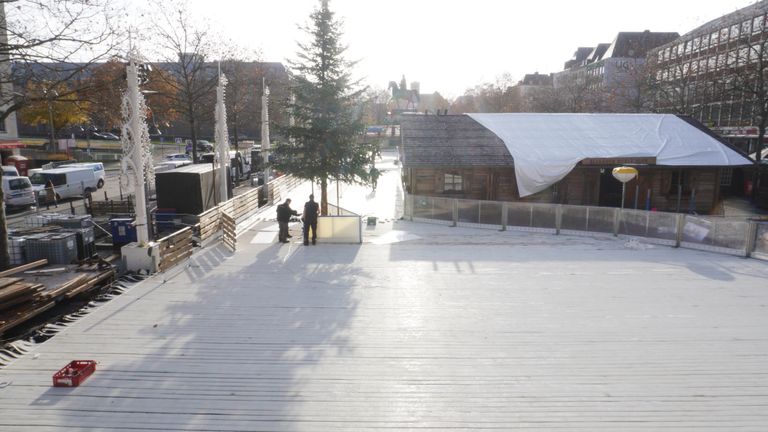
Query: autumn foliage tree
(65,106)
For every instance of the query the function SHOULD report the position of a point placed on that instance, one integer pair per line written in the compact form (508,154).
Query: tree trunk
(234,129)
(193,138)
(324,196)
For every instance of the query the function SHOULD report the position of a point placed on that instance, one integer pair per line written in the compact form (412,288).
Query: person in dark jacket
(50,195)
(284,213)
(311,211)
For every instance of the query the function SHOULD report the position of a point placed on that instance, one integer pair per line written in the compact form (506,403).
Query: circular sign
(624,173)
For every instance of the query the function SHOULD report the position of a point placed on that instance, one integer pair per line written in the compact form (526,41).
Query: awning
(546,147)
(11,144)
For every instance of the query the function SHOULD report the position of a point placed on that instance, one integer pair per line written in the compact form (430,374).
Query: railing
(736,237)
(281,185)
(239,209)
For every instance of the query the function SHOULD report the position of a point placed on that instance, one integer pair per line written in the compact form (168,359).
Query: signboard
(746,131)
(620,161)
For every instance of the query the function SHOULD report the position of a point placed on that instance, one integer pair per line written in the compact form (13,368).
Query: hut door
(610,190)
(480,186)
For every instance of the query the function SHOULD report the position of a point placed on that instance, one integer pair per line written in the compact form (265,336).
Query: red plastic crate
(74,373)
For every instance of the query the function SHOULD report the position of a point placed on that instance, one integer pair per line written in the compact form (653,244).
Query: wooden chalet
(455,156)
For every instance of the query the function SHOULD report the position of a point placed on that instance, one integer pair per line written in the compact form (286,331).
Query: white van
(68,182)
(18,191)
(10,171)
(97,167)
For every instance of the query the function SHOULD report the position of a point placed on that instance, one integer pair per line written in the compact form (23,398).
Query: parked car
(18,192)
(206,158)
(68,182)
(97,167)
(202,146)
(178,157)
(171,164)
(110,136)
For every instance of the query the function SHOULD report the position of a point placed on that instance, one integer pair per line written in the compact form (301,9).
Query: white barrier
(340,229)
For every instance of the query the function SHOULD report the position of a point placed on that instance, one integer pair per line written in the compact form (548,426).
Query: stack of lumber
(22,297)
(19,301)
(14,291)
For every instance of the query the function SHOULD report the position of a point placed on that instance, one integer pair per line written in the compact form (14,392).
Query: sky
(449,46)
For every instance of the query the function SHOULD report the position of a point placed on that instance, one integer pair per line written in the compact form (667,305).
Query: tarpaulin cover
(546,147)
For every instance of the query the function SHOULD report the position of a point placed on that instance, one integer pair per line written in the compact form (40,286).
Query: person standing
(50,195)
(284,213)
(311,211)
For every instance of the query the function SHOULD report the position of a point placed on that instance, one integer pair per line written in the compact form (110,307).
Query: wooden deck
(453,329)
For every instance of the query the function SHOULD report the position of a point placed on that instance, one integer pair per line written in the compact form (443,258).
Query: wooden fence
(103,208)
(280,185)
(229,231)
(175,248)
(223,218)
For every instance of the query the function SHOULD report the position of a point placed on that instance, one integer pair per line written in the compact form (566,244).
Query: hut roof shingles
(450,141)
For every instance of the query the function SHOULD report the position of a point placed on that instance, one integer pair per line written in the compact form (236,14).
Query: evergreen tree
(325,140)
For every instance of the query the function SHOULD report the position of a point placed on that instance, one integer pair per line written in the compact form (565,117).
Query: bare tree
(186,47)
(668,88)
(76,35)
(49,43)
(244,85)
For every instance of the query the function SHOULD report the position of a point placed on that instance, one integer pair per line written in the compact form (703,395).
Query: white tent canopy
(546,147)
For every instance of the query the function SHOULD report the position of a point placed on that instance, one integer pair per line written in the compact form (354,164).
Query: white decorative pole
(265,137)
(222,136)
(136,161)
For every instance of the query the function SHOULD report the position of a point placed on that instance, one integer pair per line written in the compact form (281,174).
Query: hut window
(726,178)
(682,178)
(453,183)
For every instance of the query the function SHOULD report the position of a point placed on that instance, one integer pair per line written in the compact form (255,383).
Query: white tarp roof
(546,147)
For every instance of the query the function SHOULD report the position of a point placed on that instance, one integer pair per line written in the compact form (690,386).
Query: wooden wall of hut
(582,186)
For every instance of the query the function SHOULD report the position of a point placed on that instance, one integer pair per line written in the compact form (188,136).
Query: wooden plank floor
(422,327)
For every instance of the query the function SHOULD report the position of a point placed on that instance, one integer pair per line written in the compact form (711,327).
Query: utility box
(123,231)
(190,189)
(137,257)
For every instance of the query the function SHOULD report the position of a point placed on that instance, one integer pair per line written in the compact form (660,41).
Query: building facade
(704,74)
(607,77)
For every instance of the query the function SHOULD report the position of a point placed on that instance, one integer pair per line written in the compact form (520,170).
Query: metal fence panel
(702,232)
(761,239)
(469,211)
(490,212)
(519,214)
(655,225)
(600,219)
(574,218)
(544,216)
(443,209)
(662,226)
(423,207)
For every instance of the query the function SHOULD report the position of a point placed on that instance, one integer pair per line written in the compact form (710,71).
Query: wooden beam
(24,267)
